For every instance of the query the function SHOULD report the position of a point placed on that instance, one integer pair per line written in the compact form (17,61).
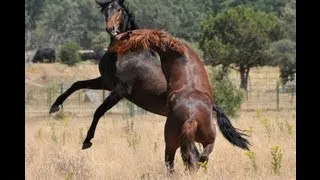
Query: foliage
(67,20)
(33,9)
(239,36)
(283,54)
(80,21)
(226,95)
(286,49)
(288,20)
(69,53)
(101,40)
(180,18)
(268,6)
(276,159)
(252,157)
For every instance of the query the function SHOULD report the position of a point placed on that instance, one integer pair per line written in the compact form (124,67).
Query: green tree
(89,25)
(58,19)
(239,37)
(101,40)
(268,6)
(180,18)
(288,19)
(283,52)
(33,10)
(68,20)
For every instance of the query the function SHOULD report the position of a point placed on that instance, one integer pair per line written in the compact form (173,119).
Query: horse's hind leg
(170,152)
(171,136)
(207,147)
(206,152)
(107,104)
(86,84)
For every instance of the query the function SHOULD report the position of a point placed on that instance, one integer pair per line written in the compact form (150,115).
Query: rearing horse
(142,74)
(189,95)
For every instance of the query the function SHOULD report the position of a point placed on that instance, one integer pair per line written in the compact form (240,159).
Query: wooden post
(278,95)
(49,96)
(249,82)
(48,103)
(292,93)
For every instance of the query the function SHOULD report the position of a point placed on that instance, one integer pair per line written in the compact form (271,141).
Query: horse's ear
(99,3)
(120,1)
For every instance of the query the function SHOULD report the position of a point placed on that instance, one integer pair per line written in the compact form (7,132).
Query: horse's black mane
(133,24)
(103,5)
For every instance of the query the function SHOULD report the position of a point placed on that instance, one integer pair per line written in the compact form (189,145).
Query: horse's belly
(150,101)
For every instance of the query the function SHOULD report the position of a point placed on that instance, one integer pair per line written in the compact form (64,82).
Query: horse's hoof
(86,145)
(54,108)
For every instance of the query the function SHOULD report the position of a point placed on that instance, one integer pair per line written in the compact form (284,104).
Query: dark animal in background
(87,55)
(100,52)
(46,53)
(95,54)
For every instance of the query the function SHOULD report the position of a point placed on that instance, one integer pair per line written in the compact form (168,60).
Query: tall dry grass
(133,148)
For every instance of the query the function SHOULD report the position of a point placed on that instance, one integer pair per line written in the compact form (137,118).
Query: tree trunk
(244,74)
(225,70)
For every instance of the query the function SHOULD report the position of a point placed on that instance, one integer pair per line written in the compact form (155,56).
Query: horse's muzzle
(113,31)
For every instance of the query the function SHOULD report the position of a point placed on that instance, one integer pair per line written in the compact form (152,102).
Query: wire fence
(38,100)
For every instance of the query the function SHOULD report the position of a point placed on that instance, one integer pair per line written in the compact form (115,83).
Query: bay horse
(142,74)
(189,93)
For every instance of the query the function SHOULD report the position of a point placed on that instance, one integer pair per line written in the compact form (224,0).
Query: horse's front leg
(86,84)
(113,98)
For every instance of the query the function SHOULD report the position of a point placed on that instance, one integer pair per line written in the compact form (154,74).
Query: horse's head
(117,17)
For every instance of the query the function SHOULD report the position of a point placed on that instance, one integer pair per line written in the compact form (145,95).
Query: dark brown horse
(189,95)
(146,84)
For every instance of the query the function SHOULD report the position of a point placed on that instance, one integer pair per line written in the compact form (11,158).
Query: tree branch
(233,68)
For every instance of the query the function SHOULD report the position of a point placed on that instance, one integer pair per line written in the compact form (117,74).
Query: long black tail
(231,133)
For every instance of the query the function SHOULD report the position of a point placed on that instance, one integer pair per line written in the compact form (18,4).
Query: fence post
(49,96)
(247,98)
(278,95)
(103,95)
(50,92)
(61,92)
(292,93)
(249,82)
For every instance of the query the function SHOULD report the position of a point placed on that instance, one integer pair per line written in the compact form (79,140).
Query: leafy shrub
(69,53)
(225,94)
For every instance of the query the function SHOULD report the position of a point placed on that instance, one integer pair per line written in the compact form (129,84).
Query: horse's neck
(169,62)
(132,25)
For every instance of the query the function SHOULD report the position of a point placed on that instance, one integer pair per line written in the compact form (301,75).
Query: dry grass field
(127,147)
